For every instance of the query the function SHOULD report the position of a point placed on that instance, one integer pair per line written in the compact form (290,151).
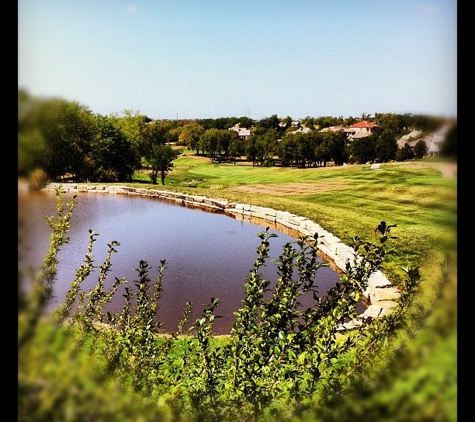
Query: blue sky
(192,59)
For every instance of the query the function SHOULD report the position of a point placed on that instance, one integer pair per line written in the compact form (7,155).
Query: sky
(199,59)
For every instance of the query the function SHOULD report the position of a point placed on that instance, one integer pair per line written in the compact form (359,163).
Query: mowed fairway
(420,197)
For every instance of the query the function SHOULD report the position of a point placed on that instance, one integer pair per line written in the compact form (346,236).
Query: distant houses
(433,141)
(406,139)
(333,129)
(360,130)
(241,131)
(364,129)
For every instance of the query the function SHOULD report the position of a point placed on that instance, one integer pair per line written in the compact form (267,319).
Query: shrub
(280,360)
(38,179)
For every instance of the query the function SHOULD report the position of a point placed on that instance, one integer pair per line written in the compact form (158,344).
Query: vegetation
(279,359)
(388,382)
(281,362)
(66,140)
(38,180)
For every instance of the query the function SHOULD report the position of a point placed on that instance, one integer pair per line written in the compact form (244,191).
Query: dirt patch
(446,169)
(291,188)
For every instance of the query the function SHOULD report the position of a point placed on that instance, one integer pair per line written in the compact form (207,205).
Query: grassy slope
(352,200)
(349,201)
(346,201)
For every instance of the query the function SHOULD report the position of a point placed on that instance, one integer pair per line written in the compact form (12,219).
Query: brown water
(207,254)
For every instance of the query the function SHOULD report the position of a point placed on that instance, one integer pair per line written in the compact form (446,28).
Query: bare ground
(291,188)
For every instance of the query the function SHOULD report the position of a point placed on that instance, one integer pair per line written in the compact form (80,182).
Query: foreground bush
(280,362)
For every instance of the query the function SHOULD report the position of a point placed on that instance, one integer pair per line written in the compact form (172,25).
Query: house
(360,130)
(407,138)
(301,129)
(434,141)
(241,131)
(333,129)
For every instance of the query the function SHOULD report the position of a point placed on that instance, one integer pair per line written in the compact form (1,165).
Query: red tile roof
(365,124)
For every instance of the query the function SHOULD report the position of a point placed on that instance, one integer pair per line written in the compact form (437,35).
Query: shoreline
(379,297)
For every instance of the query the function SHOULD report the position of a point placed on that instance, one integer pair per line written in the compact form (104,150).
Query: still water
(207,254)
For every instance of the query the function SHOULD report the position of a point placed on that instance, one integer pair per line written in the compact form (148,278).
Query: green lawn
(415,377)
(347,201)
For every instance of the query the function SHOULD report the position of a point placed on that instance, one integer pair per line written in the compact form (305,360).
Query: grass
(352,200)
(346,200)
(349,201)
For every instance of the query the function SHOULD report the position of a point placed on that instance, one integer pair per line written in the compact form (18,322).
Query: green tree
(262,148)
(405,153)
(133,124)
(113,157)
(209,142)
(161,161)
(226,138)
(61,132)
(386,146)
(252,149)
(420,149)
(236,147)
(30,140)
(303,151)
(287,148)
(190,136)
(332,147)
(322,153)
(362,150)
(155,133)
(246,122)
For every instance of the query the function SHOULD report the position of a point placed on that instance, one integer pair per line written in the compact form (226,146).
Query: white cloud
(131,7)
(430,9)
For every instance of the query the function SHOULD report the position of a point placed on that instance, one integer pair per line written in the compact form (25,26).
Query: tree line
(66,139)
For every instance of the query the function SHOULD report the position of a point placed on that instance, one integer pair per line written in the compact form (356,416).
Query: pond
(207,254)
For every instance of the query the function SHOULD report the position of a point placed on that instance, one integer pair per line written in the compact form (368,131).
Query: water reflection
(207,254)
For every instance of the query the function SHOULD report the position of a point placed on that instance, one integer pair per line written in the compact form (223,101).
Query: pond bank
(381,295)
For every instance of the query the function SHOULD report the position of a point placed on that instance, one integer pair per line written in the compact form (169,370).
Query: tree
(267,146)
(386,146)
(339,152)
(405,153)
(155,133)
(190,136)
(449,146)
(225,140)
(420,149)
(133,124)
(113,157)
(61,132)
(333,147)
(362,150)
(287,149)
(322,153)
(252,149)
(30,140)
(236,147)
(304,151)
(161,161)
(246,122)
(209,142)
